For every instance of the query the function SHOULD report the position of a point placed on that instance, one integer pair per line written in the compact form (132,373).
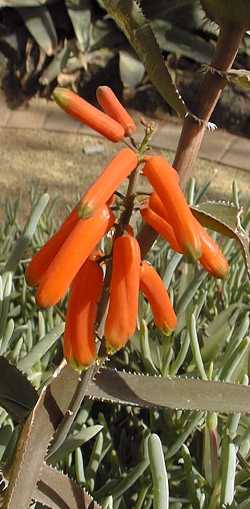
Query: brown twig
(210,91)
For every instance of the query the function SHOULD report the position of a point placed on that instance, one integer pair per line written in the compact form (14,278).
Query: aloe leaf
(79,466)
(80,14)
(40,24)
(224,218)
(17,395)
(54,489)
(94,462)
(131,70)
(40,348)
(35,437)
(194,420)
(228,471)
(218,331)
(191,482)
(182,42)
(130,18)
(7,336)
(176,393)
(7,279)
(74,441)
(27,234)
(125,483)
(195,346)
(159,472)
(52,70)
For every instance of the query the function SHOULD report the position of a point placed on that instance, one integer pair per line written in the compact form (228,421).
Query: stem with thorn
(210,91)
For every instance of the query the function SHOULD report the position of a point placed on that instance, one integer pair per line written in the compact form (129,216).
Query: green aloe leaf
(56,65)
(74,441)
(40,348)
(159,472)
(224,217)
(54,489)
(80,15)
(17,395)
(131,70)
(36,435)
(28,232)
(40,24)
(130,18)
(181,42)
(176,393)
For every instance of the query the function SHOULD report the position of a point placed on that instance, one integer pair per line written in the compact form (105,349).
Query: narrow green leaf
(194,421)
(54,68)
(40,348)
(228,467)
(74,441)
(79,466)
(27,234)
(80,14)
(40,24)
(195,346)
(94,461)
(159,473)
(131,70)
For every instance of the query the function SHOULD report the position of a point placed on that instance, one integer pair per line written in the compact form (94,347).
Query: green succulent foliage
(124,454)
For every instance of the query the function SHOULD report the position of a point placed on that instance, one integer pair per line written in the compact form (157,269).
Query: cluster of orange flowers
(70,259)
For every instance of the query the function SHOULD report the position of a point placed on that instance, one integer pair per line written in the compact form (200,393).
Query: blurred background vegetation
(74,43)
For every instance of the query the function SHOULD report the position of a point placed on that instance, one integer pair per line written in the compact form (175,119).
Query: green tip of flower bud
(192,252)
(60,96)
(84,211)
(76,366)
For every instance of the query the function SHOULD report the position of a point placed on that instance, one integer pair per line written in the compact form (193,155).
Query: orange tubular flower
(44,257)
(124,289)
(212,259)
(155,292)
(157,206)
(160,174)
(78,108)
(79,336)
(161,226)
(111,177)
(71,256)
(112,106)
